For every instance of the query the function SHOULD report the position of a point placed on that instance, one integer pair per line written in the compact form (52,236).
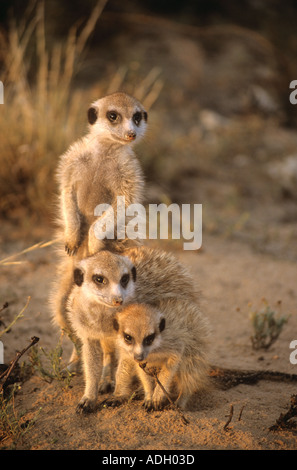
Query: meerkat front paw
(85,405)
(159,400)
(72,241)
(113,402)
(148,404)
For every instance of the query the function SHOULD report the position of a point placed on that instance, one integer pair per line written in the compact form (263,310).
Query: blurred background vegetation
(214,75)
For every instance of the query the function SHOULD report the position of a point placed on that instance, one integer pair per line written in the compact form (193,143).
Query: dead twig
(4,307)
(228,378)
(240,413)
(229,418)
(153,373)
(283,422)
(13,363)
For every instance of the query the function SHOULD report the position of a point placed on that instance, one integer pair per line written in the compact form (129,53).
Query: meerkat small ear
(133,271)
(92,115)
(78,276)
(162,324)
(145,116)
(115,324)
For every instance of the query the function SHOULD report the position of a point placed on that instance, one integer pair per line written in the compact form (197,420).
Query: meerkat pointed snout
(130,135)
(117,301)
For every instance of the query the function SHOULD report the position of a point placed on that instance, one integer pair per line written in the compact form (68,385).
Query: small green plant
(13,425)
(54,369)
(267,325)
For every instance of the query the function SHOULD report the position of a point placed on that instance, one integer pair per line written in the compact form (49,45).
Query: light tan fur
(173,339)
(95,170)
(159,275)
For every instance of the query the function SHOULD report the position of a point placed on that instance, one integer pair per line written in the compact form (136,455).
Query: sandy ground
(231,275)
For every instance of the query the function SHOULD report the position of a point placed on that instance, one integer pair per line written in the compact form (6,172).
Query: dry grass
(42,114)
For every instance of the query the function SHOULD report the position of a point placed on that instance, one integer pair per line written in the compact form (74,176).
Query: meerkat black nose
(117,301)
(139,357)
(130,135)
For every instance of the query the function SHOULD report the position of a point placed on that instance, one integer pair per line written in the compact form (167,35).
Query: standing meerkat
(100,288)
(99,167)
(103,283)
(171,338)
(95,170)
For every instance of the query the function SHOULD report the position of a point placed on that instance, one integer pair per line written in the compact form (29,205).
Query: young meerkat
(104,283)
(172,339)
(99,167)
(95,170)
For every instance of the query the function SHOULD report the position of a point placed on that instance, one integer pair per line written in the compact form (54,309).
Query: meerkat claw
(85,406)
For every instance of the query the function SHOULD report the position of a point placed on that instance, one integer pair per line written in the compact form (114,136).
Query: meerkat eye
(128,339)
(137,118)
(99,280)
(124,280)
(113,116)
(149,339)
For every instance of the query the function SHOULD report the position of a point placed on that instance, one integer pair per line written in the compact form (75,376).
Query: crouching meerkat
(171,338)
(95,170)
(104,283)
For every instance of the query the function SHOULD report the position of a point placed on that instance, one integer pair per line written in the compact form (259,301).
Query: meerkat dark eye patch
(124,280)
(137,118)
(149,340)
(145,116)
(78,276)
(115,324)
(92,115)
(113,117)
(162,324)
(133,271)
(99,280)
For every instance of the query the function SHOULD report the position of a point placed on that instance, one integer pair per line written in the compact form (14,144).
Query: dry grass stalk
(18,316)
(7,261)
